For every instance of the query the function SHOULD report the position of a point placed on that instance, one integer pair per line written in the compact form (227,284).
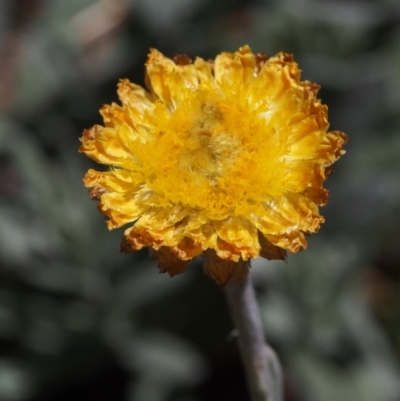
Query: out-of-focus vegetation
(80,321)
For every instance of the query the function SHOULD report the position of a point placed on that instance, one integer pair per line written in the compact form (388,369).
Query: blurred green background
(80,321)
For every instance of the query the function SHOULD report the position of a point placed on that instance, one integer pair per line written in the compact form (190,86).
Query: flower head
(226,157)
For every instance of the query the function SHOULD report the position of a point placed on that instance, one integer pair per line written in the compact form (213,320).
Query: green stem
(262,367)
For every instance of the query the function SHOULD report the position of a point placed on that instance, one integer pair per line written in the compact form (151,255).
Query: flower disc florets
(226,157)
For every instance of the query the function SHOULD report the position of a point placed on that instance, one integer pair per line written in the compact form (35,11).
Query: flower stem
(262,367)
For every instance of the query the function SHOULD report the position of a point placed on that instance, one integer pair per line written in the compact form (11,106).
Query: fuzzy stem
(262,367)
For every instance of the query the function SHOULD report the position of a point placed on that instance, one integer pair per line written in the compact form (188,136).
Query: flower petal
(116,180)
(126,207)
(158,227)
(287,220)
(331,147)
(168,80)
(293,241)
(134,95)
(237,239)
(103,145)
(187,249)
(237,69)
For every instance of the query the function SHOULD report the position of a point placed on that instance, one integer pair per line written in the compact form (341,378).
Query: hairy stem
(262,367)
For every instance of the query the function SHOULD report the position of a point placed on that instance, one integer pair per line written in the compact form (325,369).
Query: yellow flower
(224,157)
